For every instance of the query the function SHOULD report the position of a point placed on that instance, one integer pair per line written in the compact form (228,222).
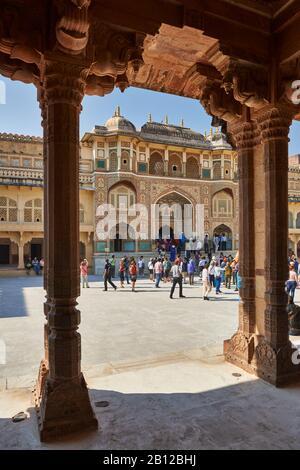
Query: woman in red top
(133,273)
(122,272)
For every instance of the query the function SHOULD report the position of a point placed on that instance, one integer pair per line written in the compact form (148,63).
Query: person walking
(238,278)
(228,274)
(113,266)
(127,263)
(176,272)
(84,265)
(218,278)
(122,272)
(150,269)
(191,268)
(184,270)
(167,265)
(158,270)
(133,273)
(211,272)
(206,284)
(216,242)
(107,274)
(141,266)
(291,283)
(206,245)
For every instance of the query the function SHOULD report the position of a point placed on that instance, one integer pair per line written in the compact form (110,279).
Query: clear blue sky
(21,114)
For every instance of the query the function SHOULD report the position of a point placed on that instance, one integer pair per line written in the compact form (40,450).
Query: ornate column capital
(64,83)
(274,122)
(245,134)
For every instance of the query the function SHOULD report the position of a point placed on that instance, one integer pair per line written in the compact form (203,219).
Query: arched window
(33,211)
(81,214)
(291,220)
(222,204)
(192,168)
(156,164)
(113,161)
(8,210)
(227,171)
(298,220)
(217,171)
(175,167)
(125,160)
(122,195)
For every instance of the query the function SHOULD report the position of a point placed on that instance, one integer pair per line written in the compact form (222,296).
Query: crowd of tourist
(215,273)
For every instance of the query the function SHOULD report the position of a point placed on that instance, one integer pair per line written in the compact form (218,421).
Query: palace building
(161,164)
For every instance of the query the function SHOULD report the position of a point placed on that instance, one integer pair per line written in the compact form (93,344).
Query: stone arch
(222,203)
(125,160)
(156,164)
(192,168)
(175,165)
(227,171)
(179,217)
(122,188)
(227,230)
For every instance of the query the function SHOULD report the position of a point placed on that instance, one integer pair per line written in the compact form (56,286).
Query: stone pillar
(184,164)
(273,355)
(240,349)
(21,256)
(44,365)
(166,162)
(64,405)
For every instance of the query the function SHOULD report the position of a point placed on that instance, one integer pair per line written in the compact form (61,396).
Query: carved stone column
(64,406)
(240,348)
(21,256)
(44,365)
(273,354)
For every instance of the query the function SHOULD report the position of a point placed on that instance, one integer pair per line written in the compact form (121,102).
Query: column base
(256,356)
(63,408)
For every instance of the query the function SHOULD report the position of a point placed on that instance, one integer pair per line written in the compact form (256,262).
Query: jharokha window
(222,205)
(8,210)
(33,211)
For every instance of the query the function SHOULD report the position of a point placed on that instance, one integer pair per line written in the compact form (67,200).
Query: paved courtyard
(119,329)
(159,365)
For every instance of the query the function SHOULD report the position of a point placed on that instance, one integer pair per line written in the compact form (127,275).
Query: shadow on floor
(248,415)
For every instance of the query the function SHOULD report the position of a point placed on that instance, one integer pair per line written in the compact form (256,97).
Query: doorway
(4,254)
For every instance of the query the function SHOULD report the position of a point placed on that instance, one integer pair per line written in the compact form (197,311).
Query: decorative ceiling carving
(217,51)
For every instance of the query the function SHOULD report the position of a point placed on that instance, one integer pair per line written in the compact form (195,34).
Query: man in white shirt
(176,271)
(158,269)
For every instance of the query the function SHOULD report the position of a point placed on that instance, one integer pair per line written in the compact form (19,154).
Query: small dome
(118,122)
